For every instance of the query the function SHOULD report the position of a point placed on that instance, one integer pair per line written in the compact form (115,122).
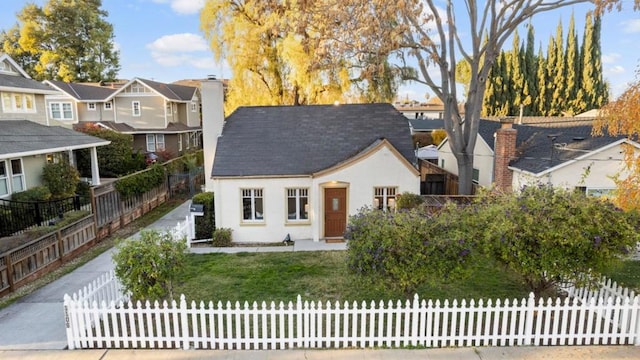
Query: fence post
(36,209)
(67,322)
(184,322)
(636,310)
(528,325)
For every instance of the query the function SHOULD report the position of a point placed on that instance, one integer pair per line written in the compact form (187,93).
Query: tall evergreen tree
(594,92)
(516,96)
(542,105)
(67,40)
(571,66)
(557,72)
(530,67)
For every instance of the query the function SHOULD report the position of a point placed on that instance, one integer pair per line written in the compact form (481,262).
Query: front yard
(322,276)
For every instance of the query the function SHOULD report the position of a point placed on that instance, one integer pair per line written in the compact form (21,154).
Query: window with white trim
(384,198)
(297,204)
(17,176)
(18,103)
(179,142)
(194,106)
(252,205)
(4,179)
(135,108)
(108,105)
(155,142)
(91,106)
(61,110)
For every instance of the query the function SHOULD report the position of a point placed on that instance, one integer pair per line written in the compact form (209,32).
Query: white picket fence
(110,321)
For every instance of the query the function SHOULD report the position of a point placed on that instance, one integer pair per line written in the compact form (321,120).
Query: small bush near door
(221,237)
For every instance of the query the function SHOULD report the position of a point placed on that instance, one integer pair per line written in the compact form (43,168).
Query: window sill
(297,223)
(255,223)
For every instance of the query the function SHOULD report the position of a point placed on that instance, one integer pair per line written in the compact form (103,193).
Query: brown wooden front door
(335,212)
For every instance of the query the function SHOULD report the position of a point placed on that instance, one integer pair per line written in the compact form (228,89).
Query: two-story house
(29,137)
(161,117)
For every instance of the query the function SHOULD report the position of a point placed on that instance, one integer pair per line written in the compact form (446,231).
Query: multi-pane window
(475,178)
(17,176)
(297,204)
(155,142)
(194,107)
(17,103)
(135,108)
(108,105)
(252,205)
(61,111)
(385,198)
(91,106)
(4,179)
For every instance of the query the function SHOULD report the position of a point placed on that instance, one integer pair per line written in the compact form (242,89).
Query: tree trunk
(465,174)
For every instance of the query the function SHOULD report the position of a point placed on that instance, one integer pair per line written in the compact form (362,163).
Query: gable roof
(303,140)
(172,92)
(542,146)
(22,138)
(82,92)
(21,81)
(14,64)
(172,128)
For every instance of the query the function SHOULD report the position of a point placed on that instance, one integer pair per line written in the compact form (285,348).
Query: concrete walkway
(33,327)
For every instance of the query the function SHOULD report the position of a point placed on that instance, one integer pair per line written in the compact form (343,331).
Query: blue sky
(161,40)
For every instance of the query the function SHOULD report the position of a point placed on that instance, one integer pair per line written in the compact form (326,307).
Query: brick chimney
(505,151)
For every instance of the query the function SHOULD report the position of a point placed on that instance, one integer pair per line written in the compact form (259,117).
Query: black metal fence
(19,216)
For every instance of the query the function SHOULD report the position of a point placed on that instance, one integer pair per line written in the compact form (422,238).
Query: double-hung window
(17,176)
(61,111)
(155,142)
(252,205)
(297,204)
(385,198)
(4,179)
(135,108)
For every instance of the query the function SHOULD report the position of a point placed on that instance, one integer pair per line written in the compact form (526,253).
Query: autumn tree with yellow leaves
(622,117)
(297,52)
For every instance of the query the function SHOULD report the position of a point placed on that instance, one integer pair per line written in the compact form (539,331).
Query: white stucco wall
(482,160)
(381,168)
(593,172)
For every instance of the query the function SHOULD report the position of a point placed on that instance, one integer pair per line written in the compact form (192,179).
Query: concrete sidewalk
(34,328)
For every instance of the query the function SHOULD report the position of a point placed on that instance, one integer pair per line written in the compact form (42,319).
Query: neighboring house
(425,125)
(432,109)
(161,117)
(303,170)
(561,153)
(21,96)
(26,147)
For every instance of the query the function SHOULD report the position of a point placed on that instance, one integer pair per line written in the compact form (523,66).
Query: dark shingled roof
(534,146)
(171,91)
(19,82)
(84,92)
(21,136)
(302,140)
(128,129)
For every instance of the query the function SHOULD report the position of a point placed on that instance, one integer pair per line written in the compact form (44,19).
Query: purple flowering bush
(404,249)
(549,235)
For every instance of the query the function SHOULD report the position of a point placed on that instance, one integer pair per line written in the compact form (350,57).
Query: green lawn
(317,276)
(627,274)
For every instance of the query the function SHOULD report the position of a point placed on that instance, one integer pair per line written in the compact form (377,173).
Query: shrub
(148,267)
(221,237)
(407,200)
(116,159)
(61,178)
(141,181)
(205,225)
(38,193)
(421,139)
(402,250)
(549,235)
(438,136)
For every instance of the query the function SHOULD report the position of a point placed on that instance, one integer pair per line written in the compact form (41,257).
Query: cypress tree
(542,105)
(529,63)
(571,65)
(556,72)
(602,90)
(516,78)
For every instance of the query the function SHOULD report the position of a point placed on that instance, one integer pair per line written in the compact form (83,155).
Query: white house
(303,170)
(562,153)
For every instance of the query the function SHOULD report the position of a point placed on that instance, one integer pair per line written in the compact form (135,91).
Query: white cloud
(611,58)
(614,70)
(184,7)
(185,42)
(631,26)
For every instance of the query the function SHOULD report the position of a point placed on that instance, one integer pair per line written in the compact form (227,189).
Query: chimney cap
(211,77)
(507,120)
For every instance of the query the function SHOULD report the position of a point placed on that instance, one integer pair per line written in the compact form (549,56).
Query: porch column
(72,159)
(95,173)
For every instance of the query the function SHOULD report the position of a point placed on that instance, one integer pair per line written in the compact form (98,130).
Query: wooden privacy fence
(114,323)
(21,264)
